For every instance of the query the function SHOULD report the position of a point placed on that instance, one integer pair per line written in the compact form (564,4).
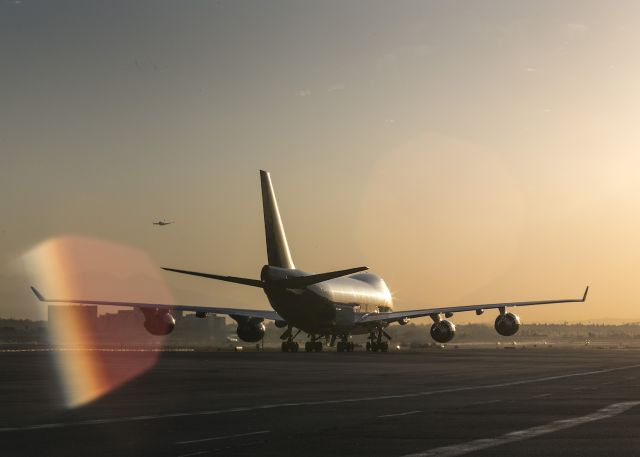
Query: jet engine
(507,324)
(251,330)
(159,323)
(443,331)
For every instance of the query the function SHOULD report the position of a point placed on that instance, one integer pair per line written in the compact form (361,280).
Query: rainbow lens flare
(96,352)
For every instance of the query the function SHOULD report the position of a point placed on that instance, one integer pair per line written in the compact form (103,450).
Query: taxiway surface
(523,402)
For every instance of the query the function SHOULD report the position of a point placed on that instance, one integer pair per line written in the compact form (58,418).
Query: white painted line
(541,396)
(194,453)
(216,438)
(117,420)
(401,414)
(486,402)
(521,435)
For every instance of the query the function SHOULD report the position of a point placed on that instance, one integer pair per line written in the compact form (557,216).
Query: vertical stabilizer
(277,247)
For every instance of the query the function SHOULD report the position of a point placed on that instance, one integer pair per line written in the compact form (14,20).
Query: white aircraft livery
(332,305)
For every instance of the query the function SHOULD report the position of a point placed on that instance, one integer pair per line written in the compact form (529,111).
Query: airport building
(76,324)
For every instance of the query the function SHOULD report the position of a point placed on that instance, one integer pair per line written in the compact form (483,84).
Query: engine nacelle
(507,324)
(443,331)
(158,323)
(251,330)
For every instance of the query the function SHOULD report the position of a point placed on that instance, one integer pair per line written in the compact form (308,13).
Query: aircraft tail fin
(277,248)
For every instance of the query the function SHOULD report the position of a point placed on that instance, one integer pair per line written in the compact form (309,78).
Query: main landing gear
(313,346)
(289,345)
(344,345)
(375,343)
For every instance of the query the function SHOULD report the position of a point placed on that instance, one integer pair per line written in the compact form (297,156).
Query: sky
(468,152)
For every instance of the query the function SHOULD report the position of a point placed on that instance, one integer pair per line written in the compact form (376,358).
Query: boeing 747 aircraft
(332,305)
(162,223)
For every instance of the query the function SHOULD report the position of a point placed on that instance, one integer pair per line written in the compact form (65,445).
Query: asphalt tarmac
(479,402)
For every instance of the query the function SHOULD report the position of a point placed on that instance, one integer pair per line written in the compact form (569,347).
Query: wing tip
(37,293)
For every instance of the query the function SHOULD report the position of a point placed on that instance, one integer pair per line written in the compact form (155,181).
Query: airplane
(331,305)
(162,223)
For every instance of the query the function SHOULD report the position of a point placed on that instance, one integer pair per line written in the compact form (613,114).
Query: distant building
(64,315)
(80,325)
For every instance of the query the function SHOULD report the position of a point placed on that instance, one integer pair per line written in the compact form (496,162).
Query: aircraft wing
(268,315)
(397,315)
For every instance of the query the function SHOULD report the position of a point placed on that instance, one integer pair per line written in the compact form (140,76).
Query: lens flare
(73,267)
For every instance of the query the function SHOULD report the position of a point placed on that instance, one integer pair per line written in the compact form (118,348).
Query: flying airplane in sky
(163,223)
(332,305)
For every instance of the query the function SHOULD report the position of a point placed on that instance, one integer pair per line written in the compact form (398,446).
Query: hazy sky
(466,151)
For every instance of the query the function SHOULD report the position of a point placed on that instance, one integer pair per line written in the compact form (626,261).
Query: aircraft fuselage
(330,307)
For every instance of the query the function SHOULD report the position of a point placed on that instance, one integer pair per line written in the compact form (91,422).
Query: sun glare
(73,267)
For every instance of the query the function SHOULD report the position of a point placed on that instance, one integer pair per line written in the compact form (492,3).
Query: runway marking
(215,438)
(194,453)
(485,402)
(521,435)
(400,414)
(541,396)
(116,420)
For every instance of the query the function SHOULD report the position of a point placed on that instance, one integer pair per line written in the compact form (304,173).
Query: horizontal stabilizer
(303,281)
(244,281)
(297,282)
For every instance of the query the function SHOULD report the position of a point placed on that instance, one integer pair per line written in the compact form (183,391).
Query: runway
(479,402)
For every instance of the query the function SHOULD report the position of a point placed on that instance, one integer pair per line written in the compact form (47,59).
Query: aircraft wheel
(368,346)
(308,346)
(285,346)
(384,347)
(318,347)
(295,347)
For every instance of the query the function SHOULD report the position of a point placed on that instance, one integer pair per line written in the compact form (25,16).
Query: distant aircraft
(162,223)
(333,305)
